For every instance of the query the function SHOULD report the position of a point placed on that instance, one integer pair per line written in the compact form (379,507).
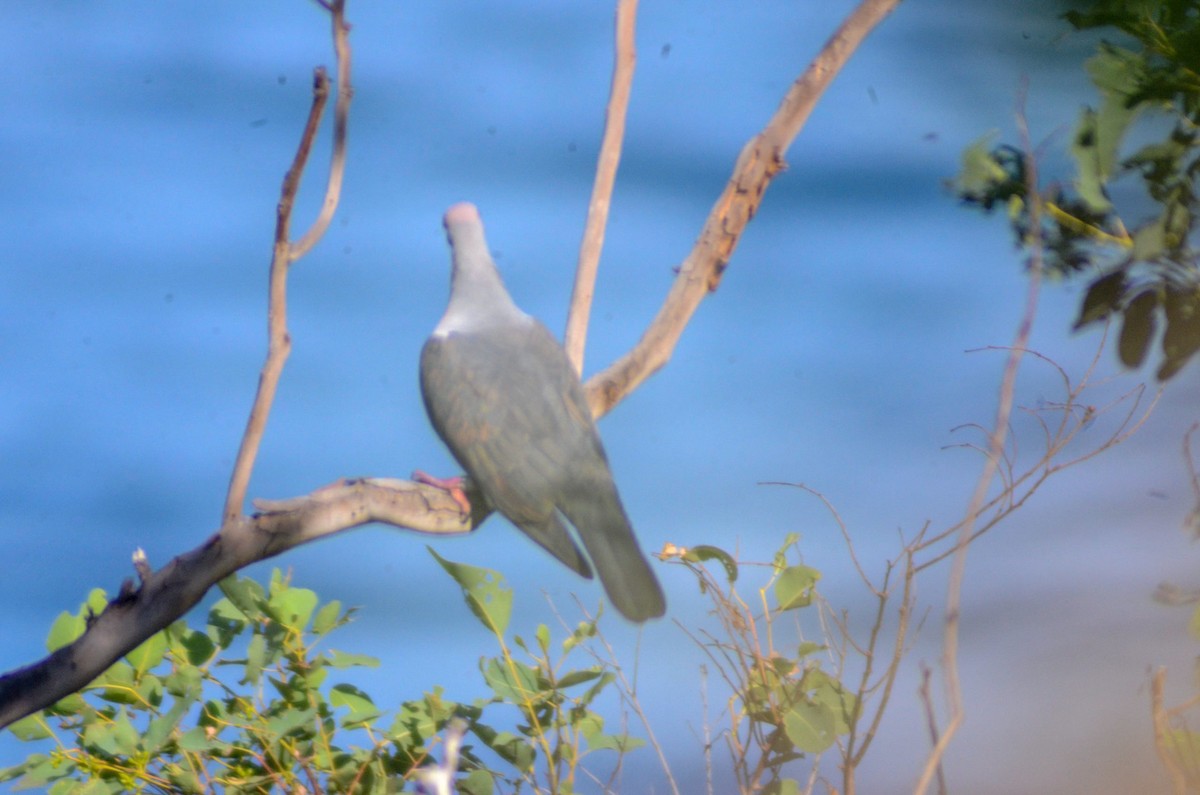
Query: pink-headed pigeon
(503,396)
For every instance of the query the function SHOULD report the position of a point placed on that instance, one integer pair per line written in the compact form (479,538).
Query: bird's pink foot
(452,486)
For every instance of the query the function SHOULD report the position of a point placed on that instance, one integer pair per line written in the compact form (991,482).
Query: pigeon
(503,396)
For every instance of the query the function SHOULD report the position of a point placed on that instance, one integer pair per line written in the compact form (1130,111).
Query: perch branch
(759,162)
(163,596)
(606,173)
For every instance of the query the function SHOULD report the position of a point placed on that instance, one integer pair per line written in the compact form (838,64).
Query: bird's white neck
(478,301)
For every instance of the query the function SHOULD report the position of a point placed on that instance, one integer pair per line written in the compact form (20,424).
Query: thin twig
(995,451)
(284,253)
(628,687)
(341,115)
(575,338)
(931,720)
(1162,733)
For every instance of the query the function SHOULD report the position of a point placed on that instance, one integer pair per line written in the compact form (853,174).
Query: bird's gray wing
(482,397)
(566,452)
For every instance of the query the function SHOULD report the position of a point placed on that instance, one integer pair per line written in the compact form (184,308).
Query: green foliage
(248,704)
(785,706)
(167,718)
(558,727)
(1142,269)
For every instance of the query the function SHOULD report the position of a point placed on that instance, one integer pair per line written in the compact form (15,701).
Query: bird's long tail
(608,537)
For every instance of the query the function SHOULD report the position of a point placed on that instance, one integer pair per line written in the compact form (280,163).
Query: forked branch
(759,162)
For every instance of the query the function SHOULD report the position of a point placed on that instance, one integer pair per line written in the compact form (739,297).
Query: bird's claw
(452,486)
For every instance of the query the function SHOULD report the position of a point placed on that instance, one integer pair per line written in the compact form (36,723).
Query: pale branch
(759,162)
(279,343)
(1019,487)
(625,58)
(996,446)
(139,611)
(1166,742)
(341,115)
(284,252)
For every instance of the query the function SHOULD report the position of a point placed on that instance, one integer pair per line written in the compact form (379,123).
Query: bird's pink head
(461,213)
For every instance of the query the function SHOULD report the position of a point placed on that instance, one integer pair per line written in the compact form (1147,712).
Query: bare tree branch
(580,310)
(759,162)
(341,114)
(1163,733)
(284,253)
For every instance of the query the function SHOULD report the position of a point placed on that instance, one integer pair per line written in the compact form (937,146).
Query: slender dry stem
(624,61)
(995,452)
(284,253)
(760,161)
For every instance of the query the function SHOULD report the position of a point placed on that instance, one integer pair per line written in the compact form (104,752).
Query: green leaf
(485,592)
(126,738)
(1092,178)
(65,629)
(810,727)
(40,769)
(1137,329)
(327,618)
(582,632)
(195,647)
(511,681)
(96,602)
(703,552)
(1114,70)
(782,786)
(362,708)
(101,738)
(197,740)
(830,693)
(578,677)
(291,720)
(118,684)
(980,172)
(256,659)
(245,595)
(779,560)
(511,748)
(794,586)
(340,659)
(148,655)
(149,689)
(162,727)
(184,683)
(31,727)
(73,704)
(1150,240)
(292,607)
(1102,299)
(477,782)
